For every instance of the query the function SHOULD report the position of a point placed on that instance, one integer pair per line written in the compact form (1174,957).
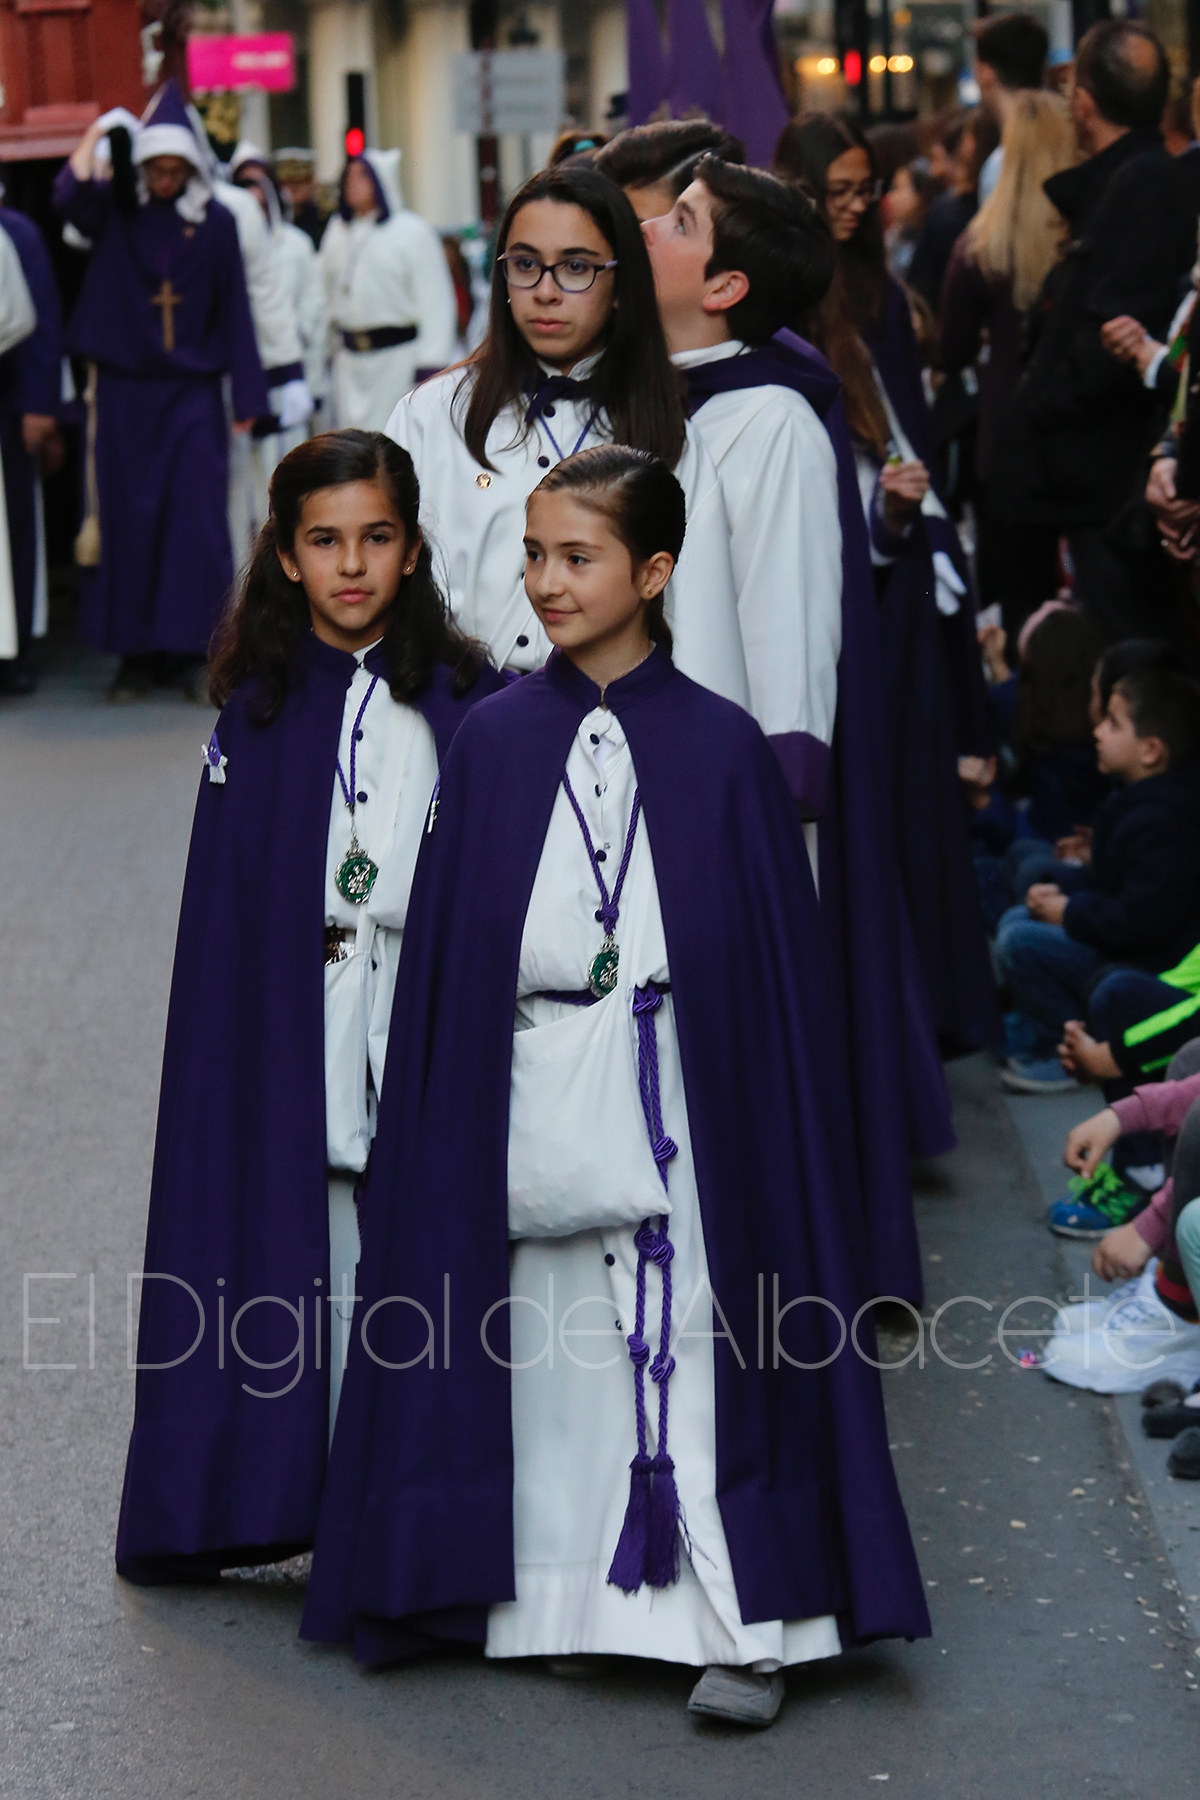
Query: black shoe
(1161,1393)
(1184,1460)
(132,681)
(17,676)
(1169,1421)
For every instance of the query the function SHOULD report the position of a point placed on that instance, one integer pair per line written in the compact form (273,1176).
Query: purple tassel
(661,1566)
(629,1560)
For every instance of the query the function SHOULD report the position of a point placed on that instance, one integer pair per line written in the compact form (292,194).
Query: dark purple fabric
(805,762)
(694,67)
(647,61)
(30,382)
(900,1099)
(239,1195)
(936,712)
(162,442)
(115,322)
(752,103)
(416,1529)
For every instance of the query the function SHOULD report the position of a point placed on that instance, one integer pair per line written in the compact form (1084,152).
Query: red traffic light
(356,142)
(852,67)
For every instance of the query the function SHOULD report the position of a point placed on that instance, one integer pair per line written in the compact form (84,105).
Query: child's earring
(295,574)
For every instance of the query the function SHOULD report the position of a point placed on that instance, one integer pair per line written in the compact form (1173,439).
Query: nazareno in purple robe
(415,1539)
(30,382)
(162,446)
(936,712)
(901,1107)
(239,1201)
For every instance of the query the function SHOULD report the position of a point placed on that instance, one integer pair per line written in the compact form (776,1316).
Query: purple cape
(901,1104)
(162,446)
(936,712)
(30,382)
(239,1197)
(415,1539)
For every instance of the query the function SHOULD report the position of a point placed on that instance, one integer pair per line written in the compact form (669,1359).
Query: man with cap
(162,318)
(392,310)
(296,170)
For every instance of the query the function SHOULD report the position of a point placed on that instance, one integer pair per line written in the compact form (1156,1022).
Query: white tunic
(574,1429)
(17,320)
(377,273)
(395,768)
(778,476)
(475,521)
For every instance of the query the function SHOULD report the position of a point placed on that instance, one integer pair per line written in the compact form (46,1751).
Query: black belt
(384,337)
(285,372)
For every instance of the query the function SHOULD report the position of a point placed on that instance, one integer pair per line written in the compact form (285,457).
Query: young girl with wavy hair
(341,682)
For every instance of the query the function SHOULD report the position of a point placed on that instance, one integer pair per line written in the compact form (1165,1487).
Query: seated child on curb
(1137,903)
(1168,1228)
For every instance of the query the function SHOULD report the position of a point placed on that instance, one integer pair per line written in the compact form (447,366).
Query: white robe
(574,1429)
(475,522)
(276,333)
(396,768)
(377,273)
(18,320)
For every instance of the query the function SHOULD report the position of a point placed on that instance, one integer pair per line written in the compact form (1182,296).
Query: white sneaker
(737,1695)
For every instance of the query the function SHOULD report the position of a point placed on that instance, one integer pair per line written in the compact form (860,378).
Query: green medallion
(602,978)
(355,876)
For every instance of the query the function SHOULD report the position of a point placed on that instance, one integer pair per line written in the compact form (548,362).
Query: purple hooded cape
(162,440)
(239,1196)
(936,712)
(415,1539)
(901,1106)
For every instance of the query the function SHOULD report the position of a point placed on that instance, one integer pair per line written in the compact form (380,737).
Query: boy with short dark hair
(738,258)
(1137,903)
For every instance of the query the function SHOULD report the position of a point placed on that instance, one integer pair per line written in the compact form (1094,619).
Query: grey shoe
(737,1695)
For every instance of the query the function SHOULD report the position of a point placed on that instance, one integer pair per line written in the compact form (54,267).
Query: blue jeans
(1047,972)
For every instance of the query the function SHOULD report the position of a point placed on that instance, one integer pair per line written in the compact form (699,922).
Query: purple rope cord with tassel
(648,1547)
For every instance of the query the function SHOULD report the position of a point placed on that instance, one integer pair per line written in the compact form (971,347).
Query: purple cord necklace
(648,1548)
(355,874)
(602,977)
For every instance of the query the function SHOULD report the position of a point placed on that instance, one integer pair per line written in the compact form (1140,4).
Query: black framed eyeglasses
(574,275)
(838,193)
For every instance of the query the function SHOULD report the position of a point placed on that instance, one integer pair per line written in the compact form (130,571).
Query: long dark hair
(261,633)
(640,498)
(1055,684)
(854,303)
(634,384)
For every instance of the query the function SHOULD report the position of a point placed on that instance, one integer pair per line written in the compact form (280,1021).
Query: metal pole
(885,29)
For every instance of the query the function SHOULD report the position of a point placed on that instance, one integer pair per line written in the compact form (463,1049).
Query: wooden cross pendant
(167,300)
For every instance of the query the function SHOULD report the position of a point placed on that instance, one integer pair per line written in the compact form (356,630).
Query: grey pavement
(1060,1660)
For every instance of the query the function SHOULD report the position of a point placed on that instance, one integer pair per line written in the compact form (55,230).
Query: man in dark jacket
(1073,449)
(1137,904)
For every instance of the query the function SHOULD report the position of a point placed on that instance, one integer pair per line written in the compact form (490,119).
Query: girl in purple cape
(341,682)
(593,1406)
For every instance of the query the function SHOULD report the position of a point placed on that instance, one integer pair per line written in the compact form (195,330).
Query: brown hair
(640,498)
(260,635)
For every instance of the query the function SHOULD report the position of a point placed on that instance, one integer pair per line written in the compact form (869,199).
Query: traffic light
(356,113)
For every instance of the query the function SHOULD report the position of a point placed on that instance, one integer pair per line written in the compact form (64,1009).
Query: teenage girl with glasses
(574,357)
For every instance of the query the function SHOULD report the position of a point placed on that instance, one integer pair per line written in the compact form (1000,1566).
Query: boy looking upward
(737,259)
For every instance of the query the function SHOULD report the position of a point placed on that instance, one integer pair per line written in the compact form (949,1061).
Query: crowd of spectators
(1052,277)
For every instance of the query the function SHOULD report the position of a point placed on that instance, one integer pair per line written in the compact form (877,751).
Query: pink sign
(266,60)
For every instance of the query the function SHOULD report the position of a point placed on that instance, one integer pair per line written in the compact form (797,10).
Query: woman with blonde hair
(996,273)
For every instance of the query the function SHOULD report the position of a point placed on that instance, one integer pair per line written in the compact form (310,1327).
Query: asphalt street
(1063,1661)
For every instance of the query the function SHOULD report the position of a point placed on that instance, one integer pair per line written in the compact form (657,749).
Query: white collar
(691,359)
(579,371)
